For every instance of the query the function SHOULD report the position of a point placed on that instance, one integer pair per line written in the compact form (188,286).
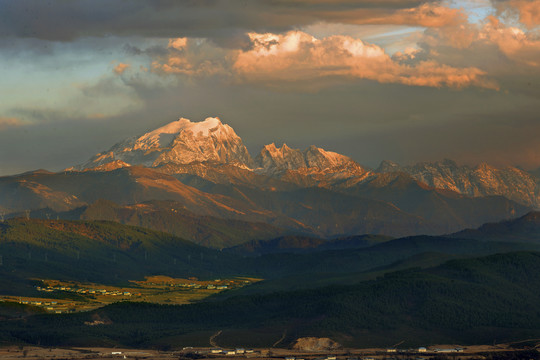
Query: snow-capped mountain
(312,167)
(481,180)
(179,142)
(212,151)
(273,159)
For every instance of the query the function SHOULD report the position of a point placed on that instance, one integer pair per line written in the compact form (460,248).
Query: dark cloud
(223,20)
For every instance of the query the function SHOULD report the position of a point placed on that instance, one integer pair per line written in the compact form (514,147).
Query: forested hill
(108,252)
(100,251)
(480,300)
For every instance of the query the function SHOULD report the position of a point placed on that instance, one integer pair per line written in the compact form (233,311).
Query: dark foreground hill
(480,300)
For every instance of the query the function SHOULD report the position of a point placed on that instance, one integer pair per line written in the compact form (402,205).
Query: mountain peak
(162,137)
(388,166)
(179,142)
(274,159)
(323,159)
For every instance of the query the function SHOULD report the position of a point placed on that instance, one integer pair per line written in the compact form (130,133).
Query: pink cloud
(194,59)
(297,56)
(527,10)
(120,68)
(516,44)
(178,43)
(489,41)
(10,122)
(428,15)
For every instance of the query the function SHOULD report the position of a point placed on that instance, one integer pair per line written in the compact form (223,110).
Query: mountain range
(210,142)
(204,170)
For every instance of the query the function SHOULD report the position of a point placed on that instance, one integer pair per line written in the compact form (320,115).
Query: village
(60,297)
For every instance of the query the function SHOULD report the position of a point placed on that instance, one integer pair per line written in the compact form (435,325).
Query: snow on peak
(164,135)
(320,158)
(203,128)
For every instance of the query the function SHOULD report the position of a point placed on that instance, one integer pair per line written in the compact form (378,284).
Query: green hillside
(170,217)
(99,251)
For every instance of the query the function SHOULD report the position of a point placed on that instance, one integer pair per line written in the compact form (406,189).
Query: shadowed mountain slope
(523,229)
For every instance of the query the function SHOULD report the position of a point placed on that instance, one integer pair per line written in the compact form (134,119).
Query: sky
(400,80)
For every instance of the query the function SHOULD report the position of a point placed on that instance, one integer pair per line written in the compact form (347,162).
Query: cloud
(487,43)
(428,15)
(513,42)
(297,56)
(120,68)
(193,58)
(527,11)
(10,122)
(178,43)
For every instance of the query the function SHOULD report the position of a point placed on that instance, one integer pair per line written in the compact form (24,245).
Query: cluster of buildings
(51,306)
(237,351)
(196,286)
(202,286)
(425,350)
(218,284)
(84,291)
